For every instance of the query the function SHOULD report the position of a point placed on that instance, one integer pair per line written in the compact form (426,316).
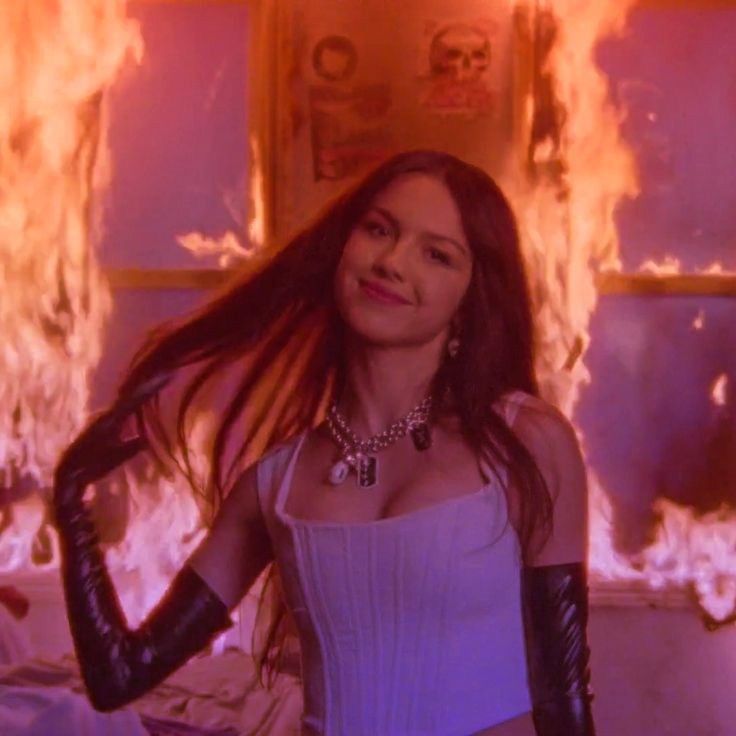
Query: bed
(212,695)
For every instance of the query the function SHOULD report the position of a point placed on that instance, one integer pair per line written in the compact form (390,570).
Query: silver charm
(367,471)
(338,472)
(421,436)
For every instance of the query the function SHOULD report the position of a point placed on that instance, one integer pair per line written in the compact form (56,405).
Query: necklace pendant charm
(338,472)
(367,471)
(421,436)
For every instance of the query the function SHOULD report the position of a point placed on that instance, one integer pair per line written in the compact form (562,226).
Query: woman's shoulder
(264,474)
(273,460)
(520,408)
(552,441)
(534,412)
(281,448)
(546,432)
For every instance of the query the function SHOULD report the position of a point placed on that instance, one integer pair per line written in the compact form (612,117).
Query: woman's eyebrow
(388,215)
(434,236)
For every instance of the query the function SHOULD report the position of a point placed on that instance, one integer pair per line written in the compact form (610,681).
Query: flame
(582,169)
(718,390)
(699,321)
(55,301)
(56,62)
(257,225)
(228,248)
(689,550)
(53,144)
(717,269)
(668,266)
(164,527)
(21,534)
(671,266)
(580,172)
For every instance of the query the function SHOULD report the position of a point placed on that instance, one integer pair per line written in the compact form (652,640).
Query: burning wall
(569,170)
(56,62)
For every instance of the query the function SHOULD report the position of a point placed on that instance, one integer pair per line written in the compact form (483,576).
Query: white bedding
(210,695)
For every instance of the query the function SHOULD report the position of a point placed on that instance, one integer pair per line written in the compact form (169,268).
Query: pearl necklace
(357,455)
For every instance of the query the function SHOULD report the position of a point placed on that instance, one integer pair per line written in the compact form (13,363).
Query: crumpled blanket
(210,696)
(15,646)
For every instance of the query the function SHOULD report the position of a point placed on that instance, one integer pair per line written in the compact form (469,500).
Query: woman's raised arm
(118,664)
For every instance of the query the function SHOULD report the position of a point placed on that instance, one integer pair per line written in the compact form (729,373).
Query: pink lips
(379,293)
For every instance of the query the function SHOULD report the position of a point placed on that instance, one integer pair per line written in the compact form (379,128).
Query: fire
(569,233)
(228,247)
(718,390)
(582,169)
(689,551)
(55,63)
(164,527)
(257,224)
(668,266)
(56,302)
(53,139)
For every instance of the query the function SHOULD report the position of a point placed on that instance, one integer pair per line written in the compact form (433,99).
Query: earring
(453,346)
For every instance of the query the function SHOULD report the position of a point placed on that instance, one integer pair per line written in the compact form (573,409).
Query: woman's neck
(385,384)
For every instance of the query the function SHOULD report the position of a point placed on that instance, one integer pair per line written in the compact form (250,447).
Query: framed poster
(357,81)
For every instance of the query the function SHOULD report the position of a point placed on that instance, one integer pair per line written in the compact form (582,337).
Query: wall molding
(45,585)
(707,285)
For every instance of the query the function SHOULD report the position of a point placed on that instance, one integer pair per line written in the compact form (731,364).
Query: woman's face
(406,265)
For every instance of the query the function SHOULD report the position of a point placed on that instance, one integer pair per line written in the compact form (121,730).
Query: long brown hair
(276,328)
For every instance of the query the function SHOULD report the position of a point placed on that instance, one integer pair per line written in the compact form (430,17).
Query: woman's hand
(100,447)
(96,451)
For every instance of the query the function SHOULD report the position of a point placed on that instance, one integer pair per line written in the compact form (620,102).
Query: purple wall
(674,71)
(179,155)
(649,423)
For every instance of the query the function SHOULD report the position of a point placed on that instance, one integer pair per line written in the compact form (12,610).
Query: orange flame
(569,233)
(718,391)
(55,302)
(568,230)
(56,62)
(228,248)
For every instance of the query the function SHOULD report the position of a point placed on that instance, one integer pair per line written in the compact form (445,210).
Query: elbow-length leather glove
(555,604)
(117,664)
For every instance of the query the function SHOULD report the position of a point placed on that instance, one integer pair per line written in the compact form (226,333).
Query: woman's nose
(392,259)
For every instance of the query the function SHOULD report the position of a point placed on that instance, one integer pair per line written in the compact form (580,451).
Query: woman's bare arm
(237,548)
(552,441)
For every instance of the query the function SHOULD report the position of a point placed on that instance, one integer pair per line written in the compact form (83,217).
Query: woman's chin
(375,333)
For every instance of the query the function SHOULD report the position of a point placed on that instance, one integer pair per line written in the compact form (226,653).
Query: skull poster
(455,66)
(358,80)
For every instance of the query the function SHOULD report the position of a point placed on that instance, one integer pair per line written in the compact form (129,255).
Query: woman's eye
(376,229)
(438,255)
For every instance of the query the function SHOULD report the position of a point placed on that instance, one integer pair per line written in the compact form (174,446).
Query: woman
(426,509)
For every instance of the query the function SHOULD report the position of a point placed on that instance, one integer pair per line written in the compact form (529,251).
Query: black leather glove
(555,604)
(119,665)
